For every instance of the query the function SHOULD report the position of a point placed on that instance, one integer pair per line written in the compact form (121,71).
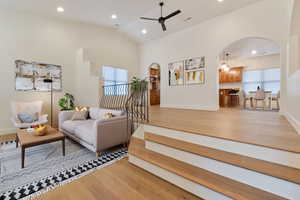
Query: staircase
(214,168)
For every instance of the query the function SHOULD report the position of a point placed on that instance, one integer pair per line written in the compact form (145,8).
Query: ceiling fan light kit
(161,20)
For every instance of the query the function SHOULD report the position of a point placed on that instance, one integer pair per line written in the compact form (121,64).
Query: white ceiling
(244,48)
(128,11)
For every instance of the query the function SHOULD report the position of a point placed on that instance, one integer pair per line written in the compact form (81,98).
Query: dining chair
(247,98)
(275,98)
(260,96)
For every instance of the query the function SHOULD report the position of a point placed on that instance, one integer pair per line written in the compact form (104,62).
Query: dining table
(268,96)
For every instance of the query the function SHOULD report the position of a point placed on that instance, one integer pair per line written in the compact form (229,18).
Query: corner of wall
(293,121)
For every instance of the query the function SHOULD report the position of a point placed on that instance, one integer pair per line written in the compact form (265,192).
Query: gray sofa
(96,133)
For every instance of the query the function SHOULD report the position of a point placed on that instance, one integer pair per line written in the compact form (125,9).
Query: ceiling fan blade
(163,25)
(172,14)
(147,18)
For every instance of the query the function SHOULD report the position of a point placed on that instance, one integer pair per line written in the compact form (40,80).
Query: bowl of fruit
(40,130)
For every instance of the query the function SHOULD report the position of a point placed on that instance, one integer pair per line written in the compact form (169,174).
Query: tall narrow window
(113,78)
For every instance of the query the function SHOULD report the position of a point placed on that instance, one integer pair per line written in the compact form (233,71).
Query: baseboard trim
(293,121)
(191,107)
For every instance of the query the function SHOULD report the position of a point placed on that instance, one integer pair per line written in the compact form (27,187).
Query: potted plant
(138,85)
(66,102)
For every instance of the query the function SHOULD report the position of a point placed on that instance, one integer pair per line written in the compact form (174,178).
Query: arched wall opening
(249,74)
(154,83)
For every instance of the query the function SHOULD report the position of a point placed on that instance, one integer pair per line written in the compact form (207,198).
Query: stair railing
(130,98)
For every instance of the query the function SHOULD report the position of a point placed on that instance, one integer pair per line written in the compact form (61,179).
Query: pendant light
(225,66)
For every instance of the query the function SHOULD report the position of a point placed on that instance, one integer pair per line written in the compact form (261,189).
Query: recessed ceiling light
(220,0)
(114,16)
(254,52)
(60,9)
(144,31)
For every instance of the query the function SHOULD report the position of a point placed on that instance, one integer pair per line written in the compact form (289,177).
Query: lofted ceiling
(128,11)
(243,48)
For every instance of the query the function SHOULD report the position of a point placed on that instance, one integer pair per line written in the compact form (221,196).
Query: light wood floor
(120,180)
(267,129)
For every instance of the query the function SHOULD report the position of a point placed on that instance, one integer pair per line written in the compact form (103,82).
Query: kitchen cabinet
(234,75)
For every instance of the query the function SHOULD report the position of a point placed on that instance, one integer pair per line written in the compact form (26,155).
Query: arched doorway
(154,79)
(249,75)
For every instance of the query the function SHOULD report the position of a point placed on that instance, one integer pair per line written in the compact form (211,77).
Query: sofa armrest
(110,132)
(64,116)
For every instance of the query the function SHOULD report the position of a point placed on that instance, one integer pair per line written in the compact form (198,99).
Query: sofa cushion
(85,132)
(79,115)
(70,125)
(98,113)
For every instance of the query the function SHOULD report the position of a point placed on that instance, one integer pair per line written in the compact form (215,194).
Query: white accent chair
(28,107)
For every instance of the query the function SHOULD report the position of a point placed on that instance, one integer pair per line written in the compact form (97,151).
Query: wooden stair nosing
(215,182)
(272,169)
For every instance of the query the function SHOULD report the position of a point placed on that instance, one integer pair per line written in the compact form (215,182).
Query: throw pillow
(108,115)
(79,115)
(28,118)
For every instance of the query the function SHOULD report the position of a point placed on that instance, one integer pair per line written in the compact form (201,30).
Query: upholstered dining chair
(260,96)
(247,98)
(276,99)
(34,108)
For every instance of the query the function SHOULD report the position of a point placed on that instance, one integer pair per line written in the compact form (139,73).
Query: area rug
(46,168)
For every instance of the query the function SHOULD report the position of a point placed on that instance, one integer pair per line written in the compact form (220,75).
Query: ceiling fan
(162,19)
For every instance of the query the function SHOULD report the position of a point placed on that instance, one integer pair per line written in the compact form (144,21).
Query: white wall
(266,19)
(257,63)
(293,78)
(34,38)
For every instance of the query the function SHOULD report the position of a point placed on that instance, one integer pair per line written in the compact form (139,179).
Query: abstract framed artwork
(195,77)
(30,76)
(194,63)
(176,73)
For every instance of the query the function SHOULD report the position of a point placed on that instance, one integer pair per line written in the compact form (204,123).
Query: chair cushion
(85,132)
(70,125)
(99,113)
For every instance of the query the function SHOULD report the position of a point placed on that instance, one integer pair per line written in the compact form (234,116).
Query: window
(113,77)
(268,79)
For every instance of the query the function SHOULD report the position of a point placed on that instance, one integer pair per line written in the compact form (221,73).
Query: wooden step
(266,129)
(264,167)
(215,182)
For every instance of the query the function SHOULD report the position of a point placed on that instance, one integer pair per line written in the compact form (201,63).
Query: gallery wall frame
(193,71)
(194,63)
(176,73)
(30,76)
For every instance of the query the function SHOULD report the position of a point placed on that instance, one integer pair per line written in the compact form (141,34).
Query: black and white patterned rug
(62,175)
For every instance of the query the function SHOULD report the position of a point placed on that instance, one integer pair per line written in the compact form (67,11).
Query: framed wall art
(30,76)
(194,63)
(176,73)
(194,77)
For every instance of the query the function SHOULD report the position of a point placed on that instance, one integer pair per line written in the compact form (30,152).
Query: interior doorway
(154,78)
(249,75)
